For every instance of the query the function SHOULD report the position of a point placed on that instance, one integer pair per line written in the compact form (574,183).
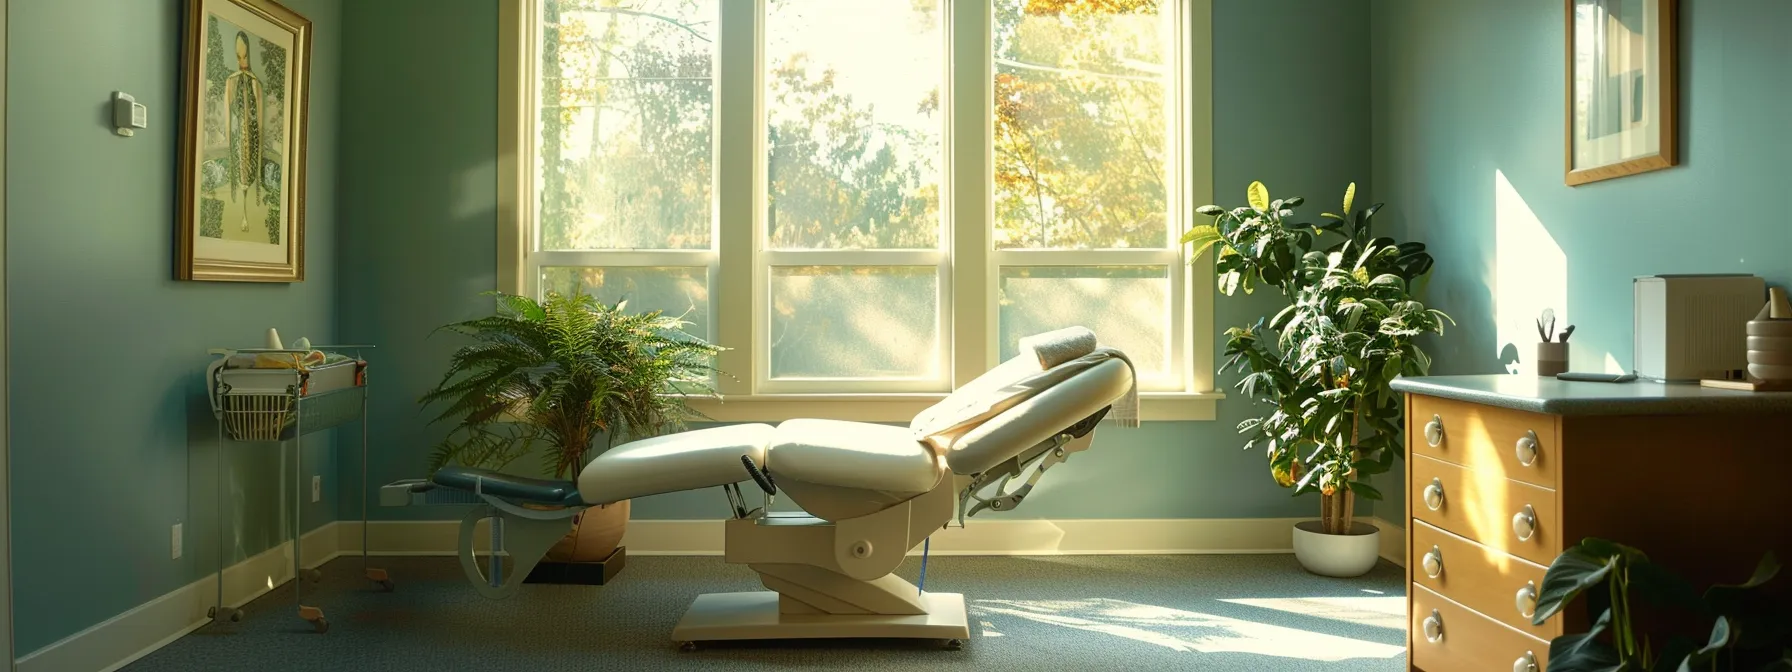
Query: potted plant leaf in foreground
(1321,366)
(1741,627)
(555,376)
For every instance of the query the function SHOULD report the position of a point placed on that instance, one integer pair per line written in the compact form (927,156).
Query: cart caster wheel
(954,645)
(322,625)
(314,576)
(236,616)
(386,585)
(211,612)
(687,647)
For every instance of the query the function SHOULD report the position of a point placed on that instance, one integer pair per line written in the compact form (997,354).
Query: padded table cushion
(857,455)
(509,486)
(684,461)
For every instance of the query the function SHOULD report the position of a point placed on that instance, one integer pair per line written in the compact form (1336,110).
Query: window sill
(1153,406)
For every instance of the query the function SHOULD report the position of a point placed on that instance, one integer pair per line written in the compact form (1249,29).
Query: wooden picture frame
(246,70)
(1621,122)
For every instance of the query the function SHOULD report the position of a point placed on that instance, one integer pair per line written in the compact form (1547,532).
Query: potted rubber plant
(566,378)
(1320,368)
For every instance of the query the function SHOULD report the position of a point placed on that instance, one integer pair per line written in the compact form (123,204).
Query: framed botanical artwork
(1621,93)
(246,68)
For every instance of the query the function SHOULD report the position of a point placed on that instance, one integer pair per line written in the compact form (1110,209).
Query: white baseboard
(979,537)
(124,638)
(1393,540)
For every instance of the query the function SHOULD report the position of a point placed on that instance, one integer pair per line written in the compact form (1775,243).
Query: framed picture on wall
(246,67)
(1621,88)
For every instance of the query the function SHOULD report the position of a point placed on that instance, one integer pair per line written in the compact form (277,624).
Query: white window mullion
(967,188)
(740,304)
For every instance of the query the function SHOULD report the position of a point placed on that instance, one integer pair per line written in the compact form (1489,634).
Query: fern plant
(1322,365)
(558,373)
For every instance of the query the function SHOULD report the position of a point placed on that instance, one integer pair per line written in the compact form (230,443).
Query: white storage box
(1690,327)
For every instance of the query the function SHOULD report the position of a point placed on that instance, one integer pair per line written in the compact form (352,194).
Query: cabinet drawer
(1479,578)
(1519,445)
(1470,642)
(1482,505)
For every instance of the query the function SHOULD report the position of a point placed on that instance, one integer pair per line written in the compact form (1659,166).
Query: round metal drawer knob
(1434,627)
(1524,523)
(1434,495)
(1434,563)
(1525,663)
(1527,448)
(1434,431)
(1527,600)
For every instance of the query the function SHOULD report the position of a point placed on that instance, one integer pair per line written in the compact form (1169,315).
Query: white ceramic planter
(1340,555)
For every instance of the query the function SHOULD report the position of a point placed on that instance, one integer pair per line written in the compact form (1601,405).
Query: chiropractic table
(870,493)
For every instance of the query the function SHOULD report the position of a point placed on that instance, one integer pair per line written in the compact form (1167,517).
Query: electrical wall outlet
(317,488)
(177,543)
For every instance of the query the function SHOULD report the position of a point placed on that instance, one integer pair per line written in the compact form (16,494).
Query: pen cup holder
(1552,358)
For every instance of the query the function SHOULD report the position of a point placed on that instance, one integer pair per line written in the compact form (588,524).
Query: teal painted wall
(112,438)
(1464,89)
(419,199)
(419,231)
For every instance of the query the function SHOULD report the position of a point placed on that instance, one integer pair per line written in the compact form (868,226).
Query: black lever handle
(763,479)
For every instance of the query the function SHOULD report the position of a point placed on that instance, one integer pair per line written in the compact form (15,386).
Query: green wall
(420,228)
(1465,89)
(112,438)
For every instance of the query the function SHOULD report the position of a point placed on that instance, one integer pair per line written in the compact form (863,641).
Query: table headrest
(1039,417)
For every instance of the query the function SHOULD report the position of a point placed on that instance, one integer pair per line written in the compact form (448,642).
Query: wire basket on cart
(276,404)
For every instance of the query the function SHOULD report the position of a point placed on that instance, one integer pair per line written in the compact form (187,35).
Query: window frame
(968,264)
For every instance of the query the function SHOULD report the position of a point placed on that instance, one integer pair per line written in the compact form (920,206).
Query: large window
(866,199)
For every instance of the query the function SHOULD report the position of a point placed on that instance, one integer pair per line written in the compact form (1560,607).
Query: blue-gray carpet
(1207,612)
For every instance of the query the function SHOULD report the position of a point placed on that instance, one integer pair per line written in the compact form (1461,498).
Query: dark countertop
(1538,394)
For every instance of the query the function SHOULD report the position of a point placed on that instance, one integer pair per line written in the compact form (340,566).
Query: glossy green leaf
(1202,237)
(1572,573)
(1725,598)
(1258,196)
(1662,587)
(1583,652)
(1364,490)
(1702,659)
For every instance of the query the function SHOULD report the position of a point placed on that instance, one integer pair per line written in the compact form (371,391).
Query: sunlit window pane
(1079,130)
(625,155)
(854,322)
(1128,307)
(674,291)
(853,115)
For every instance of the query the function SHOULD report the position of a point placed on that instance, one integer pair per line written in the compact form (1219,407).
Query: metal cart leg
(312,614)
(378,576)
(219,611)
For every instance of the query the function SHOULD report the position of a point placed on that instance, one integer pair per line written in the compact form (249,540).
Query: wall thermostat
(127,113)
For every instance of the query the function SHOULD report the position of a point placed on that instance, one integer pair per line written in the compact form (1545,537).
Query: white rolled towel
(1057,347)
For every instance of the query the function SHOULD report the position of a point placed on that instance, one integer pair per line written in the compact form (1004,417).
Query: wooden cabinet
(1503,473)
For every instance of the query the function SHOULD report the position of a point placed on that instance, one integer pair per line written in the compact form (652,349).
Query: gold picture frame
(246,71)
(1622,88)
